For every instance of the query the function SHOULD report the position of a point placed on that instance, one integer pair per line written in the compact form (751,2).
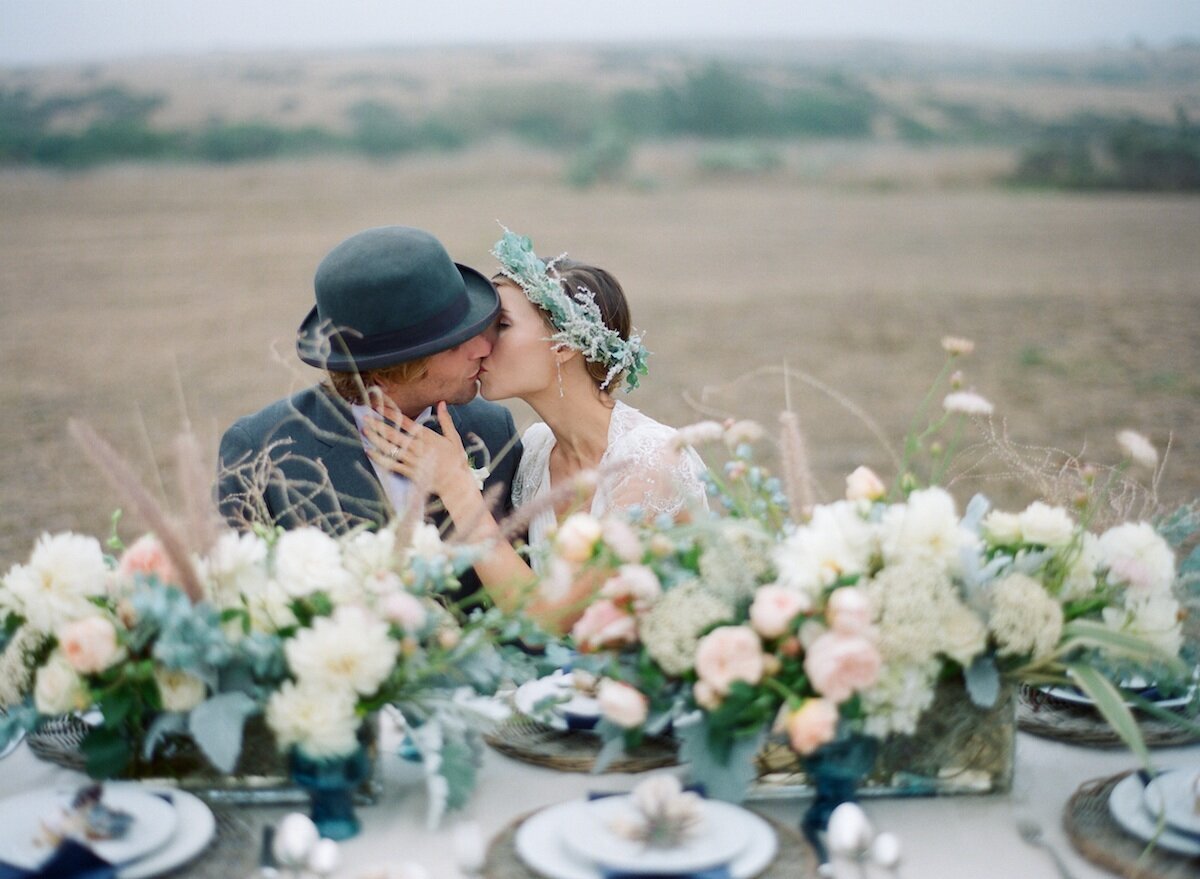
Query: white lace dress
(638,469)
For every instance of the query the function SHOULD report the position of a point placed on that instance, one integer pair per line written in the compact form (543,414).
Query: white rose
(925,530)
(427,543)
(1138,557)
(864,484)
(621,703)
(236,566)
(318,720)
(64,571)
(270,609)
(349,649)
(58,689)
(308,560)
(89,645)
(1046,526)
(180,692)
(1001,528)
(577,537)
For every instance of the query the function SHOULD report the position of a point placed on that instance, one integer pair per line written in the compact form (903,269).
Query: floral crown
(576,317)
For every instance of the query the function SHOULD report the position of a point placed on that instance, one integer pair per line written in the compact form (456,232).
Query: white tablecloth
(961,837)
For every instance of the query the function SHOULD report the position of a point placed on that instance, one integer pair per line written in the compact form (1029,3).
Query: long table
(960,837)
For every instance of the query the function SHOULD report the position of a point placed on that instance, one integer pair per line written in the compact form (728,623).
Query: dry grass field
(139,298)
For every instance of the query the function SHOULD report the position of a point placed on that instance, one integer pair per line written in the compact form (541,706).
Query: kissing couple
(415,348)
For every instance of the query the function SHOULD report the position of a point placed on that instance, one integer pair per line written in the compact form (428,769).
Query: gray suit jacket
(316,472)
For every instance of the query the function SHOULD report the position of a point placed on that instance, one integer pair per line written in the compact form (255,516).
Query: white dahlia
(64,571)
(349,650)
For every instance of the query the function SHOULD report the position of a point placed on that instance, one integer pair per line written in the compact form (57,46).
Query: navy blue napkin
(71,860)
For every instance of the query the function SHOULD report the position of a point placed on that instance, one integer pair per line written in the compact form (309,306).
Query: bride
(563,342)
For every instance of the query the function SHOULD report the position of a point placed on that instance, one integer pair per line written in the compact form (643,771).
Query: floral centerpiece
(818,623)
(312,632)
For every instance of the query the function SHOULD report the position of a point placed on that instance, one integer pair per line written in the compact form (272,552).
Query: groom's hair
(351,386)
(610,299)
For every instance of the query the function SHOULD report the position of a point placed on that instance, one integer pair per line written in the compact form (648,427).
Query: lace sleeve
(642,469)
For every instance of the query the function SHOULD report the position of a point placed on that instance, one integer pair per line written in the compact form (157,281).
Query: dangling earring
(558,369)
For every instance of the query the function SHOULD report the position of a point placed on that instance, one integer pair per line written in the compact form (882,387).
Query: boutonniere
(480,473)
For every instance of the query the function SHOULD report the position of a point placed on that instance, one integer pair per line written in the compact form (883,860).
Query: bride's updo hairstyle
(609,297)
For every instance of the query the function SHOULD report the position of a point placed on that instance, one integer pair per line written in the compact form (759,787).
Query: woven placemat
(527,740)
(1099,838)
(794,859)
(1043,715)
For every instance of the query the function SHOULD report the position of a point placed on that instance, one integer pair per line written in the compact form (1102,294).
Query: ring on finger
(394,453)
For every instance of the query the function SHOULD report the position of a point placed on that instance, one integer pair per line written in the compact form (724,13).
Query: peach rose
(849,611)
(864,485)
(706,697)
(728,654)
(632,585)
(147,557)
(604,624)
(89,645)
(837,665)
(404,610)
(622,540)
(774,608)
(811,725)
(577,537)
(621,703)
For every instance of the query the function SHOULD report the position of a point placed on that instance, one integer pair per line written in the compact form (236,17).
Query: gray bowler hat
(388,295)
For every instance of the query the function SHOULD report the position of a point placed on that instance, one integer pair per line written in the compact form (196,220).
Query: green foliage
(381,130)
(743,159)
(604,159)
(107,752)
(1131,154)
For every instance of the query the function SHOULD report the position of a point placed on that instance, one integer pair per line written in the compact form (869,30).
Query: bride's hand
(435,461)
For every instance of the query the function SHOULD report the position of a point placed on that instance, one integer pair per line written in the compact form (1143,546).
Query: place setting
(552,723)
(119,829)
(658,829)
(1140,822)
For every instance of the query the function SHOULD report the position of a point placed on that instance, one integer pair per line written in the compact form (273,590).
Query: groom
(394,315)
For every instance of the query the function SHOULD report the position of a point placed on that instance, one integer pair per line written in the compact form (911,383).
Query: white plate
(1173,794)
(1076,697)
(539,843)
(22,816)
(560,686)
(12,745)
(194,830)
(718,840)
(1128,809)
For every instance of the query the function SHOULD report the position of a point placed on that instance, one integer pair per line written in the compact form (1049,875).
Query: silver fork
(1031,832)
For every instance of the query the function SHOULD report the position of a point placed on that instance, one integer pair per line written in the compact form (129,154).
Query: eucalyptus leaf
(723,780)
(216,725)
(1111,705)
(983,680)
(1191,565)
(1089,633)
(167,723)
(613,747)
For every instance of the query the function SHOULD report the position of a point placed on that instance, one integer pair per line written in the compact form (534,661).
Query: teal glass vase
(836,770)
(331,783)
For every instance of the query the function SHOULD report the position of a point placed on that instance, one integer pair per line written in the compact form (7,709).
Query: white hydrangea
(734,565)
(919,615)
(64,571)
(16,664)
(236,566)
(671,629)
(308,560)
(1154,618)
(350,649)
(898,699)
(318,720)
(1137,557)
(836,542)
(1024,619)
(1045,525)
(924,530)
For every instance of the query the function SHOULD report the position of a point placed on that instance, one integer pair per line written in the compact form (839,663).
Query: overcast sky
(48,31)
